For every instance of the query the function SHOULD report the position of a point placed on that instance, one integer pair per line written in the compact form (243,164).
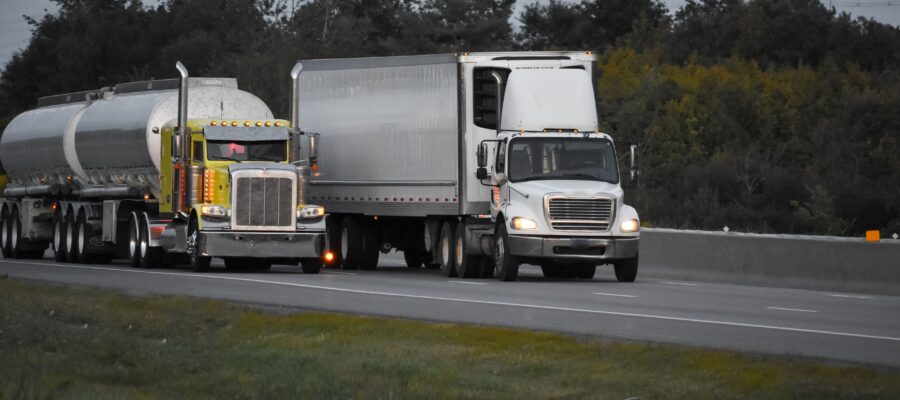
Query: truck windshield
(562,158)
(275,150)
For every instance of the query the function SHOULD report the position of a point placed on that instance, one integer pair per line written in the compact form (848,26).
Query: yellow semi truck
(160,172)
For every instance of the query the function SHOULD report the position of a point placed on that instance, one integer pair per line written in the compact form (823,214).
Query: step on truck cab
(160,173)
(473,163)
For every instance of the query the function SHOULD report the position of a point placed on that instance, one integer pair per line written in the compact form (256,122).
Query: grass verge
(91,343)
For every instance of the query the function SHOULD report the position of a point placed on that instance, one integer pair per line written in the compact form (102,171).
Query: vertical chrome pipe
(182,108)
(295,95)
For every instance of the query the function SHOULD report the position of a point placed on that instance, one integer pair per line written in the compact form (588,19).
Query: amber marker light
(268,123)
(278,123)
(258,124)
(214,123)
(329,256)
(234,123)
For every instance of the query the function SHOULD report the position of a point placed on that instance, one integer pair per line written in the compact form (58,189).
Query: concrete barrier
(804,262)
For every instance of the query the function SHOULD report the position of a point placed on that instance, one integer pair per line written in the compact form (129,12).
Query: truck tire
(5,247)
(626,270)
(351,243)
(134,256)
(506,265)
(150,257)
(371,245)
(82,238)
(446,254)
(196,262)
(467,266)
(59,242)
(311,265)
(15,235)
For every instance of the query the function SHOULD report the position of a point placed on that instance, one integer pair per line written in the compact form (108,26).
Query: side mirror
(635,162)
(481,173)
(482,155)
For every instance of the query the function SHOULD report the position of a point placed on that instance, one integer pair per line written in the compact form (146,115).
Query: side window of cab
(197,151)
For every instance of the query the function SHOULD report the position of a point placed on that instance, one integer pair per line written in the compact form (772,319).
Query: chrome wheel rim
(445,250)
(70,233)
(498,254)
(345,239)
(14,235)
(459,253)
(81,238)
(132,242)
(4,235)
(57,235)
(144,243)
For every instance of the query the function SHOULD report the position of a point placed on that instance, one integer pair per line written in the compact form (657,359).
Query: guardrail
(795,261)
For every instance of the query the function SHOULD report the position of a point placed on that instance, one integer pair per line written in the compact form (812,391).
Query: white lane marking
(850,296)
(469,283)
(790,309)
(614,294)
(494,303)
(679,283)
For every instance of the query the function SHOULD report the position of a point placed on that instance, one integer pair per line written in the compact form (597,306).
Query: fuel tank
(110,138)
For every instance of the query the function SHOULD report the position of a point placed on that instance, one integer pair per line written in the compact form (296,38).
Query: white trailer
(413,159)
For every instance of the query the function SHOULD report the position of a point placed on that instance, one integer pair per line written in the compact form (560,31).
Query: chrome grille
(580,214)
(263,202)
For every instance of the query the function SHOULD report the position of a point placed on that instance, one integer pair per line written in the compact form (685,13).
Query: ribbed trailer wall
(389,134)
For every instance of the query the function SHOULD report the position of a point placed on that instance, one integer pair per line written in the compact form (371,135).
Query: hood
(257,165)
(569,187)
(549,99)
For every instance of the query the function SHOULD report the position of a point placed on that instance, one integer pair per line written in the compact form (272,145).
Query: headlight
(308,212)
(630,225)
(524,224)
(214,211)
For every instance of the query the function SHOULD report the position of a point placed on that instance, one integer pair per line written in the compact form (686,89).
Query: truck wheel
(5,247)
(150,257)
(351,243)
(586,271)
(467,266)
(371,245)
(505,264)
(413,258)
(59,243)
(311,265)
(134,256)
(82,237)
(196,262)
(626,270)
(446,253)
(15,235)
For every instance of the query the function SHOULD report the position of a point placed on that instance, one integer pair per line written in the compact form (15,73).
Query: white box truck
(413,159)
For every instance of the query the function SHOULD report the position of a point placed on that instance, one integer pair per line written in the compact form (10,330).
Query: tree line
(760,115)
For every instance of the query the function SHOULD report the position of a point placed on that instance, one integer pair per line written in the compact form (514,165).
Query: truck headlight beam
(631,225)
(524,224)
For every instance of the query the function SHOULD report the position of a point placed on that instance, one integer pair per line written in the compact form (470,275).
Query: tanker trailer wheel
(506,265)
(311,265)
(467,266)
(150,257)
(15,235)
(134,256)
(5,246)
(71,238)
(197,263)
(59,235)
(626,270)
(82,238)
(445,249)
(351,243)
(413,257)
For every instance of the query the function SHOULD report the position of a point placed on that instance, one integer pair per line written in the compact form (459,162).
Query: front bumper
(262,244)
(573,248)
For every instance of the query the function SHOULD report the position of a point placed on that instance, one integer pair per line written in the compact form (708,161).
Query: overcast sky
(15,32)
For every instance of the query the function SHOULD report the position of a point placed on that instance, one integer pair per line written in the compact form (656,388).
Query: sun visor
(246,134)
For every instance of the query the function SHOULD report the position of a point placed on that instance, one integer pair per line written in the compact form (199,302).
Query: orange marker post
(873,236)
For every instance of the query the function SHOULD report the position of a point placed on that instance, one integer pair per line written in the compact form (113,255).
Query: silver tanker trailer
(158,172)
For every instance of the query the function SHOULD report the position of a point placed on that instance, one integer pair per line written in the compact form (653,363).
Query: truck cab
(556,197)
(240,193)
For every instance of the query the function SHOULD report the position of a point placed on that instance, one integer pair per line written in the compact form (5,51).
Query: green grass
(91,343)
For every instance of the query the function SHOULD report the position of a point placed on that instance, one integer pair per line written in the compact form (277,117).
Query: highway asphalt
(834,326)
